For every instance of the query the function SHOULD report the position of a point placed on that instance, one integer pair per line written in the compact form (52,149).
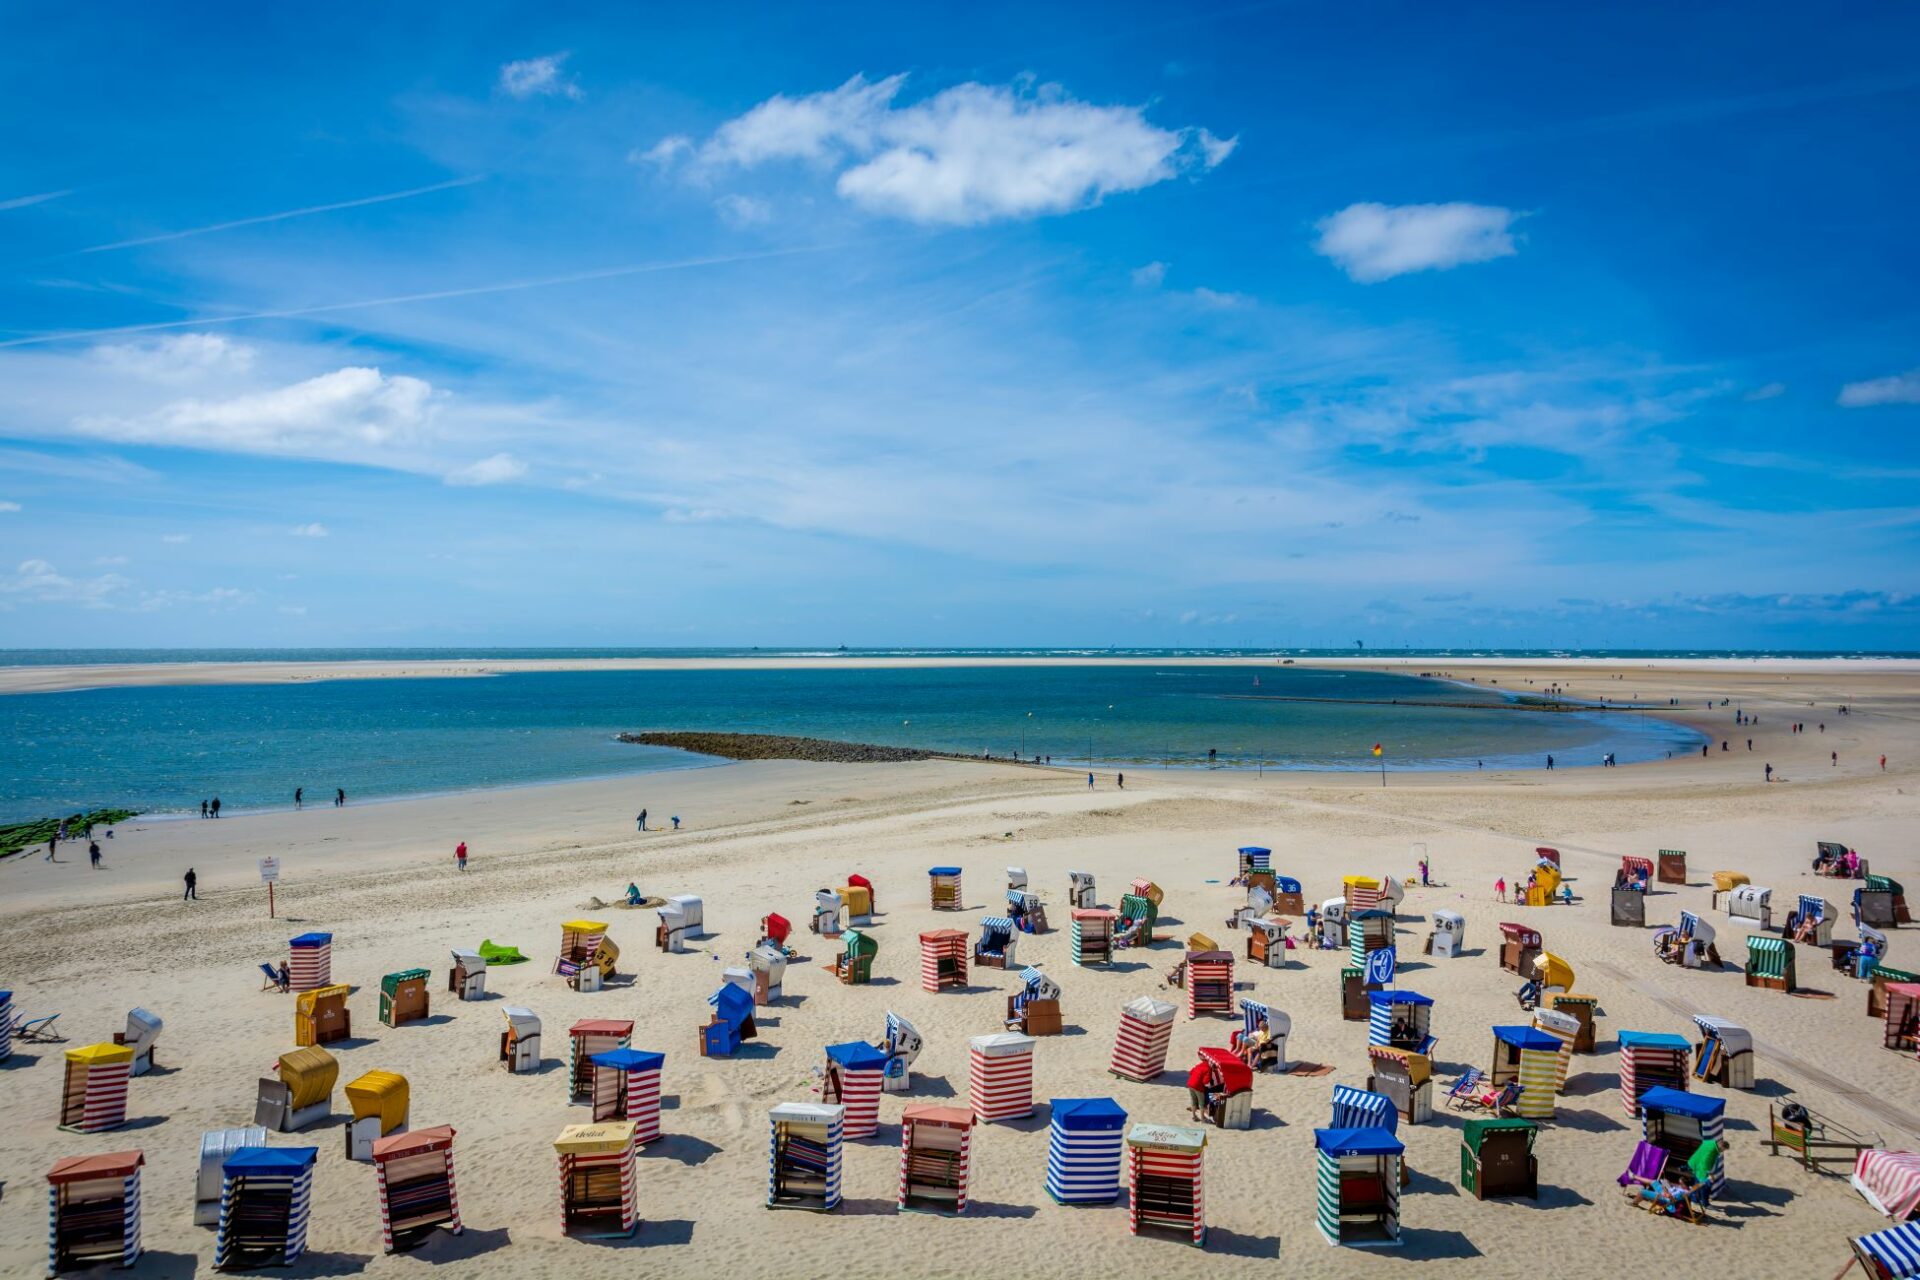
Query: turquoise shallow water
(165,749)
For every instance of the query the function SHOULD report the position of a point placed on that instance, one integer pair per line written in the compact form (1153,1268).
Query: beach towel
(1648,1160)
(495,954)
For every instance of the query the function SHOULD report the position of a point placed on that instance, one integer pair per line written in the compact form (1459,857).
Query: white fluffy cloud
(1150,276)
(540,77)
(1374,242)
(970,154)
(9,507)
(177,358)
(336,413)
(499,469)
(38,582)
(1901,388)
(314,530)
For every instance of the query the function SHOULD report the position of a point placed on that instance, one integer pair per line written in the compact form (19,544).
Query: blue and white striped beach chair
(1359,1109)
(995,947)
(1891,1253)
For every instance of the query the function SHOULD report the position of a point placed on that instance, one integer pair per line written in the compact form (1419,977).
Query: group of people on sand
(300,799)
(65,832)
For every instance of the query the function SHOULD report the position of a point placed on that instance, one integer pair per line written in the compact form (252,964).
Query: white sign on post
(269,870)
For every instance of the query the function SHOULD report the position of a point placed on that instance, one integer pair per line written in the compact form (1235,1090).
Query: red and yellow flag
(1377,751)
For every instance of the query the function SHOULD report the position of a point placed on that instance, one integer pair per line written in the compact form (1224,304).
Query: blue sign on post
(1380,965)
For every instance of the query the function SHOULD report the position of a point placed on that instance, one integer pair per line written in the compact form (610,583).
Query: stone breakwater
(769,746)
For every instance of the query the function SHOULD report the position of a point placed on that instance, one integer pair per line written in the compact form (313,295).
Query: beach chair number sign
(269,872)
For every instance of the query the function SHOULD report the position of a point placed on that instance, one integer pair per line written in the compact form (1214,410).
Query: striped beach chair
(266,1197)
(1889,1181)
(1279,1026)
(1359,1109)
(1084,1145)
(93,1211)
(1890,1254)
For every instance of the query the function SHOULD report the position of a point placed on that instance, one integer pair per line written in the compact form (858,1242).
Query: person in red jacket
(1197,1080)
(460,855)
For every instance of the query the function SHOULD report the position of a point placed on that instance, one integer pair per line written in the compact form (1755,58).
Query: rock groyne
(771,746)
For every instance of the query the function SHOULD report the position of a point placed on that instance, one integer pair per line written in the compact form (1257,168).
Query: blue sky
(1256,324)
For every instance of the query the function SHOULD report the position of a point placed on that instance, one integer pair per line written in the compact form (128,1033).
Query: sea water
(164,749)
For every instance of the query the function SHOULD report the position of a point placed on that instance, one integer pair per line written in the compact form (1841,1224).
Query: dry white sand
(762,837)
(56,679)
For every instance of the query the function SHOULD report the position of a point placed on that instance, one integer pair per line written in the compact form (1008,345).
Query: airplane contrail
(468,291)
(21,202)
(285,214)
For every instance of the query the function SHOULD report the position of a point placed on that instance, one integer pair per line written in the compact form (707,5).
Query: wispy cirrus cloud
(970,154)
(312,530)
(1375,242)
(542,77)
(501,468)
(1900,388)
(176,358)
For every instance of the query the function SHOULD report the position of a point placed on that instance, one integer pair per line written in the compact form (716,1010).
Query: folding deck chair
(1499,1101)
(1466,1086)
(39,1030)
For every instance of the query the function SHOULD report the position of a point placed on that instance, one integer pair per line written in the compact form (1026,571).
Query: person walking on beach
(1089,781)
(1883,764)
(339,797)
(642,820)
(193,887)
(203,808)
(1769,772)
(93,853)
(1836,759)
(216,806)
(1549,764)
(675,820)
(53,847)
(1500,889)
(1123,781)
(299,795)
(460,854)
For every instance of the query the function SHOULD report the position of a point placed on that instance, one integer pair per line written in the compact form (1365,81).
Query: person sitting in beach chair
(1529,993)
(1256,1045)
(1681,1192)
(1126,932)
(275,979)
(1499,1101)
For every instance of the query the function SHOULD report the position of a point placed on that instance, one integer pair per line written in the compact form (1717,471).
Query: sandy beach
(64,678)
(762,837)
